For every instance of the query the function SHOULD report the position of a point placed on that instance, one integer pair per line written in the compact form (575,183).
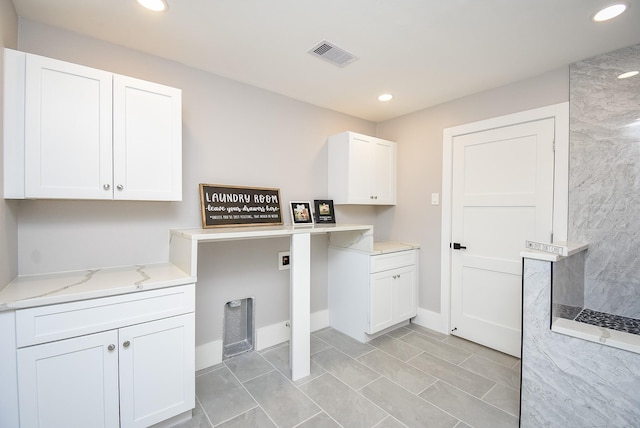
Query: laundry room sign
(223,205)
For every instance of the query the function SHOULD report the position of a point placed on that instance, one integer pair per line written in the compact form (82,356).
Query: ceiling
(424,52)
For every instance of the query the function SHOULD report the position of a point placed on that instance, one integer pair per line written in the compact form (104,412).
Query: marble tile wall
(568,381)
(604,178)
(568,286)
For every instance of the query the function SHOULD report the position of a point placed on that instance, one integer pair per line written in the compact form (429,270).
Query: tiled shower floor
(411,377)
(614,322)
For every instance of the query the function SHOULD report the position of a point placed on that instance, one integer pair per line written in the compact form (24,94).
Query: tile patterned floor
(410,377)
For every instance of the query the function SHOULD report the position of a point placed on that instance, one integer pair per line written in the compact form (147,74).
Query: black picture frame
(324,211)
(301,213)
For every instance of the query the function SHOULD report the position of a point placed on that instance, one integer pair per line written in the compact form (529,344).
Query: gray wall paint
(232,134)
(237,134)
(419,138)
(604,185)
(8,209)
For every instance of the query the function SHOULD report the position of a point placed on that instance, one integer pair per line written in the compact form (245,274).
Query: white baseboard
(272,335)
(210,354)
(431,320)
(319,320)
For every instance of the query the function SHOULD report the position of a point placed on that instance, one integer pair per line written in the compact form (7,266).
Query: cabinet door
(405,301)
(392,297)
(359,173)
(380,301)
(67,130)
(383,172)
(70,383)
(147,140)
(362,170)
(157,370)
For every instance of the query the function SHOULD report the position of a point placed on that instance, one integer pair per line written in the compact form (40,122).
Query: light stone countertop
(62,287)
(46,289)
(384,247)
(570,248)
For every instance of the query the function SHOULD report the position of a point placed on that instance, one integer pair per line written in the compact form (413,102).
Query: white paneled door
(502,195)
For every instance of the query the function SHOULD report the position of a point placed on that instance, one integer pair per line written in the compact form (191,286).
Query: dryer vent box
(239,331)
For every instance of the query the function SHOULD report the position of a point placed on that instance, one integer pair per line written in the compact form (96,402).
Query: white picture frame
(301,213)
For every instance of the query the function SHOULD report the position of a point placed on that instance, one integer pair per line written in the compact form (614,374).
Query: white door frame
(560,112)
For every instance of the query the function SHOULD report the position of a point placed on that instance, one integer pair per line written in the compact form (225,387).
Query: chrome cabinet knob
(106,186)
(126,343)
(111,347)
(120,187)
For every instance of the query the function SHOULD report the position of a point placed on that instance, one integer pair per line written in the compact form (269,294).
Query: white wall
(232,134)
(419,137)
(8,222)
(237,134)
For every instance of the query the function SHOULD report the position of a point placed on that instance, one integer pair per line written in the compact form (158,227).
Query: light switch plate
(435,198)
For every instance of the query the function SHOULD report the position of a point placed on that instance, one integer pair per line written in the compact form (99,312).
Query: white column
(300,347)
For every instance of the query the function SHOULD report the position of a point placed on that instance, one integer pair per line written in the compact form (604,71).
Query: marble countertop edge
(604,336)
(62,287)
(570,247)
(382,247)
(385,247)
(244,232)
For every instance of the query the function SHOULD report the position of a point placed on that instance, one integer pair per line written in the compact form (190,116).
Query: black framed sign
(324,212)
(239,206)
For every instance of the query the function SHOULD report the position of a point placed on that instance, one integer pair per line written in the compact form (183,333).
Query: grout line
(380,376)
(356,392)
(256,377)
(322,409)
(233,417)
(206,415)
(462,362)
(311,417)
(477,398)
(379,424)
(251,395)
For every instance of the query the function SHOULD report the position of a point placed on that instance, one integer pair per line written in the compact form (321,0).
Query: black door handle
(457,246)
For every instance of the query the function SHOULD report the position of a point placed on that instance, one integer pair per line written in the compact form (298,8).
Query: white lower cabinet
(157,372)
(132,376)
(371,292)
(392,297)
(70,383)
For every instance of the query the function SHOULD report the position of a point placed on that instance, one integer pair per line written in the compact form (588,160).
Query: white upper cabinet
(74,132)
(147,140)
(362,170)
(67,130)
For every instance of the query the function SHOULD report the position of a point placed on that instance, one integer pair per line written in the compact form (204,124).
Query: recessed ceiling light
(610,12)
(155,5)
(385,97)
(628,74)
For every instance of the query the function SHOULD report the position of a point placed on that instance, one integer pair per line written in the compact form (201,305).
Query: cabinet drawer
(383,262)
(55,322)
